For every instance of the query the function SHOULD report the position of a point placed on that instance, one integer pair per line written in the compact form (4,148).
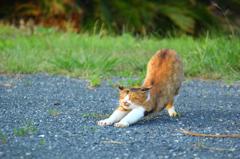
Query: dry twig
(186,132)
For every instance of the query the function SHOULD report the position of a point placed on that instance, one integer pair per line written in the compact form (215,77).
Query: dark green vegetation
(95,57)
(137,16)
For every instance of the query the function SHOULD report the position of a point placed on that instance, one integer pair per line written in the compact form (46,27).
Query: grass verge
(96,57)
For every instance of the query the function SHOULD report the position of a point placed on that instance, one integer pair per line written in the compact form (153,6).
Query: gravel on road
(43,116)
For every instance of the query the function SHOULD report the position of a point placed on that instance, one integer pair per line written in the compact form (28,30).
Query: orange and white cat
(161,84)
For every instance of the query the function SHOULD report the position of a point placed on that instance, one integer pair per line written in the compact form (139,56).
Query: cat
(162,82)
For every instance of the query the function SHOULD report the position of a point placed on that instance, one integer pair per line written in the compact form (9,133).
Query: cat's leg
(171,110)
(135,115)
(116,116)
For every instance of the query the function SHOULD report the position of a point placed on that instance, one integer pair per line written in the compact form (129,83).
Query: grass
(54,112)
(130,82)
(95,81)
(3,138)
(42,142)
(27,129)
(97,57)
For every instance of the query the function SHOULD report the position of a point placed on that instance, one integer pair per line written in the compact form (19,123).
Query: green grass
(95,80)
(3,138)
(96,57)
(28,129)
(54,112)
(42,142)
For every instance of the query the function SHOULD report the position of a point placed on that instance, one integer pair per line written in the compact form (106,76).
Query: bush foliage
(138,16)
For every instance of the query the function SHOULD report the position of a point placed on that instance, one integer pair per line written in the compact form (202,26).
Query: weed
(54,112)
(3,138)
(42,141)
(95,81)
(28,129)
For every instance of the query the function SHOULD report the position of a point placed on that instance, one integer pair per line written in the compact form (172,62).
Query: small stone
(42,136)
(125,154)
(28,153)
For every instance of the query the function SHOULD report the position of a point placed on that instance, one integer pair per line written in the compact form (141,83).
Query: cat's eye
(127,91)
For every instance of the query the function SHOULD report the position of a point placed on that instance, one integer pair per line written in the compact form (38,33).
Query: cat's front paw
(104,122)
(121,124)
(173,114)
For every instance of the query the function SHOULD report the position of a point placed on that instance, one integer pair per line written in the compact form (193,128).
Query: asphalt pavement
(44,116)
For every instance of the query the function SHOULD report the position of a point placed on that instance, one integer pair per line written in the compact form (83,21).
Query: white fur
(171,111)
(126,98)
(125,118)
(132,117)
(133,106)
(116,116)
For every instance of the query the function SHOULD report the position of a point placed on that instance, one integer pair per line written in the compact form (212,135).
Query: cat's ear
(120,88)
(145,89)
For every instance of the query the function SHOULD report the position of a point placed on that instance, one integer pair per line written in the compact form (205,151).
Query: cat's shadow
(153,118)
(193,118)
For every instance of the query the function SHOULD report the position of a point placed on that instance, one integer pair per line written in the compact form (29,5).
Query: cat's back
(165,66)
(162,59)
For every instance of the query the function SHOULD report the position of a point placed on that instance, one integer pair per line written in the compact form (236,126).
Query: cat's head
(130,97)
